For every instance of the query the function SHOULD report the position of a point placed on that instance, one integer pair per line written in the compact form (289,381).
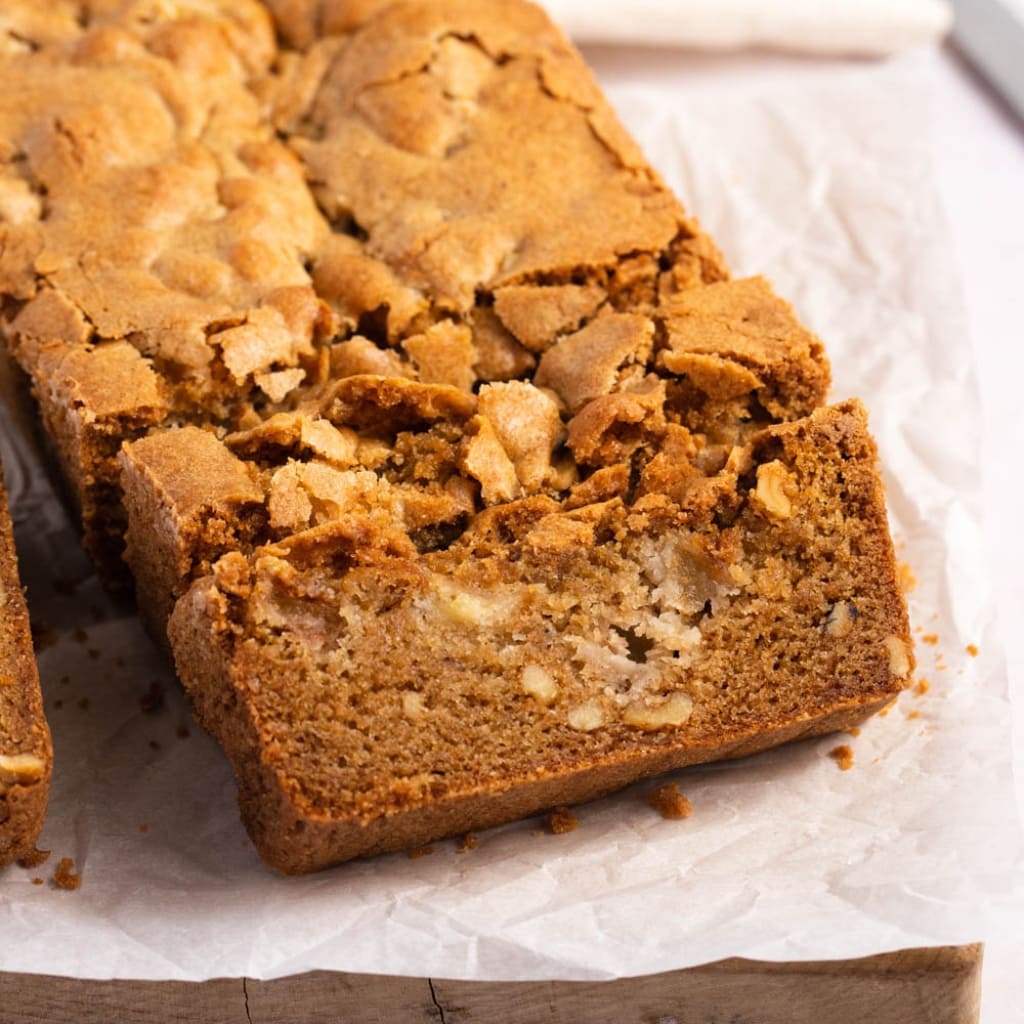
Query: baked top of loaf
(432,415)
(26,756)
(165,260)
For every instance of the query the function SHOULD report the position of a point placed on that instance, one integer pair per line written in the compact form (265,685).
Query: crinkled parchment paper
(823,182)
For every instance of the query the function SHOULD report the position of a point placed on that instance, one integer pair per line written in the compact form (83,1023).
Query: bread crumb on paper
(905,578)
(972,650)
(561,820)
(152,700)
(843,756)
(65,877)
(470,841)
(670,803)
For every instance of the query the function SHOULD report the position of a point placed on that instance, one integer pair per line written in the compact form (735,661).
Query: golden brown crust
(185,495)
(153,232)
(26,756)
(152,216)
(427,94)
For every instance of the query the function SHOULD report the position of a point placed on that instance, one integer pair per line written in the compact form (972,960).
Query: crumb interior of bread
(544,637)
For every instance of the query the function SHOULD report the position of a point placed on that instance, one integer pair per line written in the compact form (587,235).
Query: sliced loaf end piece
(373,698)
(26,754)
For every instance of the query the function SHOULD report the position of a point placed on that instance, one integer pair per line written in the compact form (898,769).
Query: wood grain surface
(919,986)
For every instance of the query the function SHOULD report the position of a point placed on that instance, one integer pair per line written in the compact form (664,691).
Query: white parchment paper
(822,181)
(862,27)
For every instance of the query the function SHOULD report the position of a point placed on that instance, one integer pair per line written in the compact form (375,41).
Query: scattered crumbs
(561,820)
(119,661)
(669,802)
(182,732)
(470,841)
(143,828)
(80,636)
(843,756)
(153,699)
(905,578)
(875,760)
(64,877)
(913,714)
(84,703)
(854,730)
(43,635)
(972,650)
(154,744)
(919,628)
(34,859)
(923,686)
(65,680)
(930,638)
(93,654)
(884,713)
(58,704)
(420,851)
(37,880)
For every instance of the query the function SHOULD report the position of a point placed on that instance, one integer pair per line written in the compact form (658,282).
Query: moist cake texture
(25,753)
(458,474)
(374,697)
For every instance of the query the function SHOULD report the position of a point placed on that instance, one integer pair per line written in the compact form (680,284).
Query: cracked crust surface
(167,186)
(153,234)
(421,421)
(26,755)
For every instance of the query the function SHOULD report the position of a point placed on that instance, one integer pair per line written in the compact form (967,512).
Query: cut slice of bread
(372,697)
(26,755)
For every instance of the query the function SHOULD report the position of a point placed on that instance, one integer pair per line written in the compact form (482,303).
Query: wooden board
(920,986)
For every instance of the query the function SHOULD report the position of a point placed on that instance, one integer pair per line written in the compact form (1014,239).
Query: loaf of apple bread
(453,468)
